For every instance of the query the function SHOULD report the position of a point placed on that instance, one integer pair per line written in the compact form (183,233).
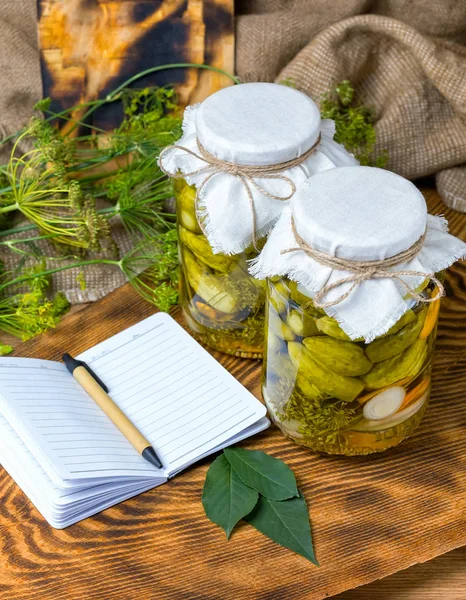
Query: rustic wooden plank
(442,578)
(89,48)
(372,516)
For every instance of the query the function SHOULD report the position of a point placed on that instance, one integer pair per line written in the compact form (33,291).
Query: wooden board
(371,516)
(443,578)
(89,48)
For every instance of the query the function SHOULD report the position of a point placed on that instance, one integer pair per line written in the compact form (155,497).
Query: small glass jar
(222,304)
(244,150)
(339,396)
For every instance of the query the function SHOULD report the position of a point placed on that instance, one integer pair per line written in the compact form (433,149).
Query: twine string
(365,270)
(245,173)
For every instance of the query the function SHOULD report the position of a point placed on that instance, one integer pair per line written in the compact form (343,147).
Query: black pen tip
(151,456)
(70,362)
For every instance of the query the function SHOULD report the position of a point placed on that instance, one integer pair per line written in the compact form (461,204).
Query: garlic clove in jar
(384,404)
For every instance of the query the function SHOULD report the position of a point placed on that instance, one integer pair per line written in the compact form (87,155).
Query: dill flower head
(75,196)
(92,228)
(152,269)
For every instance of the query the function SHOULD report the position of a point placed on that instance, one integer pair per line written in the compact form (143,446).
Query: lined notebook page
(61,425)
(183,401)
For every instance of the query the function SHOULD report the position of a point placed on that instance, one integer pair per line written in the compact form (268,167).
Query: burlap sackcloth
(405,58)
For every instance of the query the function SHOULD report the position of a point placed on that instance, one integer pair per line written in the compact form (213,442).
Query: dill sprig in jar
(352,308)
(243,152)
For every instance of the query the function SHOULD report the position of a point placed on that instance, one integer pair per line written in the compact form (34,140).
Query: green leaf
(286,523)
(266,474)
(226,499)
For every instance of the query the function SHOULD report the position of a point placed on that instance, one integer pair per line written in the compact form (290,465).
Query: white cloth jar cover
(359,214)
(254,124)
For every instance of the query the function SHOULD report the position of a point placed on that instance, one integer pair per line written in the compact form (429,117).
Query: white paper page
(65,430)
(242,435)
(183,401)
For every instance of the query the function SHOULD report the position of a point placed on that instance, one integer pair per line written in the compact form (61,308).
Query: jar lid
(359,213)
(258,123)
(354,215)
(255,125)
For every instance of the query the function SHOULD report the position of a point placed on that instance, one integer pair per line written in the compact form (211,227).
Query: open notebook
(69,458)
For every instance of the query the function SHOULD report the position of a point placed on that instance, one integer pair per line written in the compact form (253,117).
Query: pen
(98,391)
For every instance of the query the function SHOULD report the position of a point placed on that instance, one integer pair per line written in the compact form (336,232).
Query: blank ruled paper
(183,401)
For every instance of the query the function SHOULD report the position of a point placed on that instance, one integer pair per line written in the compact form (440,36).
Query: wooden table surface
(371,516)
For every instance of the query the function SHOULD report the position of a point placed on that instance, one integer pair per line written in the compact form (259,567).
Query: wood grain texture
(89,47)
(371,516)
(443,578)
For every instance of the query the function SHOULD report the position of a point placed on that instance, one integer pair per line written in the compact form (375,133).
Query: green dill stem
(129,81)
(83,263)
(92,162)
(111,97)
(34,226)
(108,209)
(101,211)
(17,230)
(98,176)
(31,239)
(54,115)
(9,208)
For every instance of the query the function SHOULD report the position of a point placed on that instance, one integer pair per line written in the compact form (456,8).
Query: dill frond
(354,123)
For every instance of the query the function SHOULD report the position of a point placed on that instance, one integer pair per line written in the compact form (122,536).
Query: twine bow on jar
(365,270)
(245,173)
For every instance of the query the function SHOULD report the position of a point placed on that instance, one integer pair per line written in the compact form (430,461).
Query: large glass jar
(222,304)
(340,396)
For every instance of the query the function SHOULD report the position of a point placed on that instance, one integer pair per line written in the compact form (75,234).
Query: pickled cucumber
(222,303)
(282,290)
(302,324)
(328,382)
(208,286)
(200,247)
(308,389)
(186,209)
(390,345)
(390,371)
(330,327)
(279,327)
(302,300)
(274,343)
(345,358)
(278,304)
(404,320)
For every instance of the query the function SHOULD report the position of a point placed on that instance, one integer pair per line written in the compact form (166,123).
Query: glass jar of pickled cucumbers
(351,310)
(243,152)
(343,396)
(222,304)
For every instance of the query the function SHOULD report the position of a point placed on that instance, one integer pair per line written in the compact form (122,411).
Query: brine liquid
(222,304)
(324,392)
